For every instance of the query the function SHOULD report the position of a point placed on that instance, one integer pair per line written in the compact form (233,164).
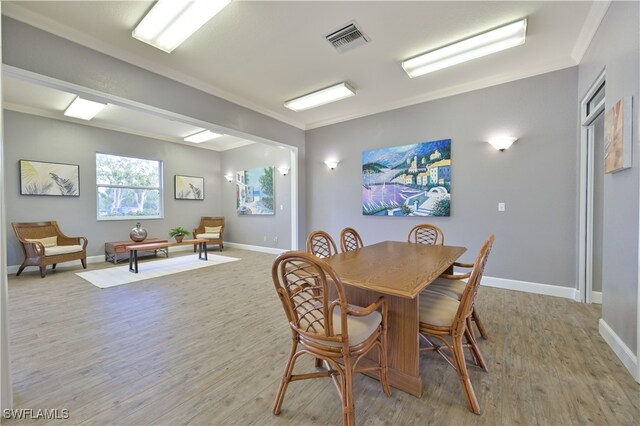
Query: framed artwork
(407,180)
(254,191)
(43,178)
(188,187)
(617,136)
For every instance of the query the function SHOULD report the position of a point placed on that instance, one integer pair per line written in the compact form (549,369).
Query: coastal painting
(407,180)
(254,191)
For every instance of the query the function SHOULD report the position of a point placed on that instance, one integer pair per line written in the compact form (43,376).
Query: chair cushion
(451,288)
(56,250)
(208,236)
(360,328)
(46,242)
(437,309)
(212,229)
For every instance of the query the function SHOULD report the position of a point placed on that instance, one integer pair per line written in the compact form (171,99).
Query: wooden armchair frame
(320,327)
(210,221)
(35,252)
(450,345)
(426,234)
(350,240)
(320,244)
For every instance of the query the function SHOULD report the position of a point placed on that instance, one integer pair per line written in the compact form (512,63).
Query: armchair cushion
(46,242)
(208,236)
(360,328)
(437,309)
(451,288)
(212,229)
(56,250)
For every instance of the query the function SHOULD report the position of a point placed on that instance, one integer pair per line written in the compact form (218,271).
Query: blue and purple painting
(408,180)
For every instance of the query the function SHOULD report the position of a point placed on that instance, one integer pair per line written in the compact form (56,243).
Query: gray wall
(536,177)
(34,50)
(36,138)
(258,230)
(616,48)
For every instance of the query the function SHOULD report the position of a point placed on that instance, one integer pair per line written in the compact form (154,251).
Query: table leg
(402,338)
(202,251)
(133,261)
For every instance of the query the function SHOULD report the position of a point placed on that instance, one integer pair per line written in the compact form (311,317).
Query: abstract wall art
(43,178)
(617,136)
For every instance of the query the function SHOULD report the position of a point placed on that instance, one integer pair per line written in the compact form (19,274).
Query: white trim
(293,166)
(626,355)
(589,28)
(529,287)
(270,250)
(596,297)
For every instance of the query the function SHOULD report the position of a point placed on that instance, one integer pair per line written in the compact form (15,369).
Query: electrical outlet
(275,239)
(501,207)
(264,238)
(281,207)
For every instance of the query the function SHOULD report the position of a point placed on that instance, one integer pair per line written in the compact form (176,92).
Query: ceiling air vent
(347,37)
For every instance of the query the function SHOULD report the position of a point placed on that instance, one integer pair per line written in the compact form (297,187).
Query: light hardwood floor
(208,347)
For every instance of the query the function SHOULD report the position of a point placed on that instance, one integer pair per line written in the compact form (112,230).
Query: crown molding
(589,28)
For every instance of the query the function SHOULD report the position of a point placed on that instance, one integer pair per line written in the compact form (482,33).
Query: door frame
(585,222)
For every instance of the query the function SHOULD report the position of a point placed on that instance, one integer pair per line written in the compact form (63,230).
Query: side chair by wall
(43,243)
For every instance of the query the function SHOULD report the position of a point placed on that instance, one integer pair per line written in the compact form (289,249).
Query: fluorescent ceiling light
(83,109)
(203,136)
(474,47)
(170,22)
(321,97)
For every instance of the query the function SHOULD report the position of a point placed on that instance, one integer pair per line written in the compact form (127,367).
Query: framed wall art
(188,187)
(44,178)
(254,191)
(407,180)
(617,136)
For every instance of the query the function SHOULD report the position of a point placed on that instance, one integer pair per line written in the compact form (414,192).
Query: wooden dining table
(399,271)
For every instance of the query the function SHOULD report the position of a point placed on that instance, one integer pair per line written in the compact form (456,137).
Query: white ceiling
(261,53)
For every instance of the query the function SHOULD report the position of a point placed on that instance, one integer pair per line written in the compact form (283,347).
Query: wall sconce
(283,170)
(332,164)
(228,177)
(502,142)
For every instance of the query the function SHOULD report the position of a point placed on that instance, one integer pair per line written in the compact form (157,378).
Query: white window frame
(160,188)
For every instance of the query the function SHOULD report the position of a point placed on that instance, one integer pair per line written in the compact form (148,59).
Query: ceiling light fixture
(471,48)
(203,136)
(170,22)
(321,97)
(83,109)
(502,142)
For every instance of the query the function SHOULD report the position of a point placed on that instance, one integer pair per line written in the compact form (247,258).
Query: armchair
(210,229)
(43,243)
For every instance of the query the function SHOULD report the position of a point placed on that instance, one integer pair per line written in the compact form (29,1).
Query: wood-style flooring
(208,347)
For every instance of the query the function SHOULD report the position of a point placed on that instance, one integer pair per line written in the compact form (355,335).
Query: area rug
(111,277)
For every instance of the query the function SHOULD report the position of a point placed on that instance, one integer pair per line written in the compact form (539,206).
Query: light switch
(501,207)
(281,207)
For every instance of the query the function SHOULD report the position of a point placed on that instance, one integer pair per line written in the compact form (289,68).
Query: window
(128,188)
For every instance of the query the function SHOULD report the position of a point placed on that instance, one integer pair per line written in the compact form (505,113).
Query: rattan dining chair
(329,329)
(426,234)
(452,286)
(350,240)
(446,320)
(320,244)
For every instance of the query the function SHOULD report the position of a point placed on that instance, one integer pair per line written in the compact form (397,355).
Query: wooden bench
(134,248)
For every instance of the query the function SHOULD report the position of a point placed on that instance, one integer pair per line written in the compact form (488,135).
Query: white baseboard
(596,297)
(529,287)
(626,355)
(270,250)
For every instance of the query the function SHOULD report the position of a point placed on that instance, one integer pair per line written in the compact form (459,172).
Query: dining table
(399,271)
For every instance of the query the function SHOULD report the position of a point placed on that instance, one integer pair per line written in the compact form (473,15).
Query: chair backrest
(426,234)
(350,240)
(36,230)
(471,290)
(211,221)
(310,290)
(320,244)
